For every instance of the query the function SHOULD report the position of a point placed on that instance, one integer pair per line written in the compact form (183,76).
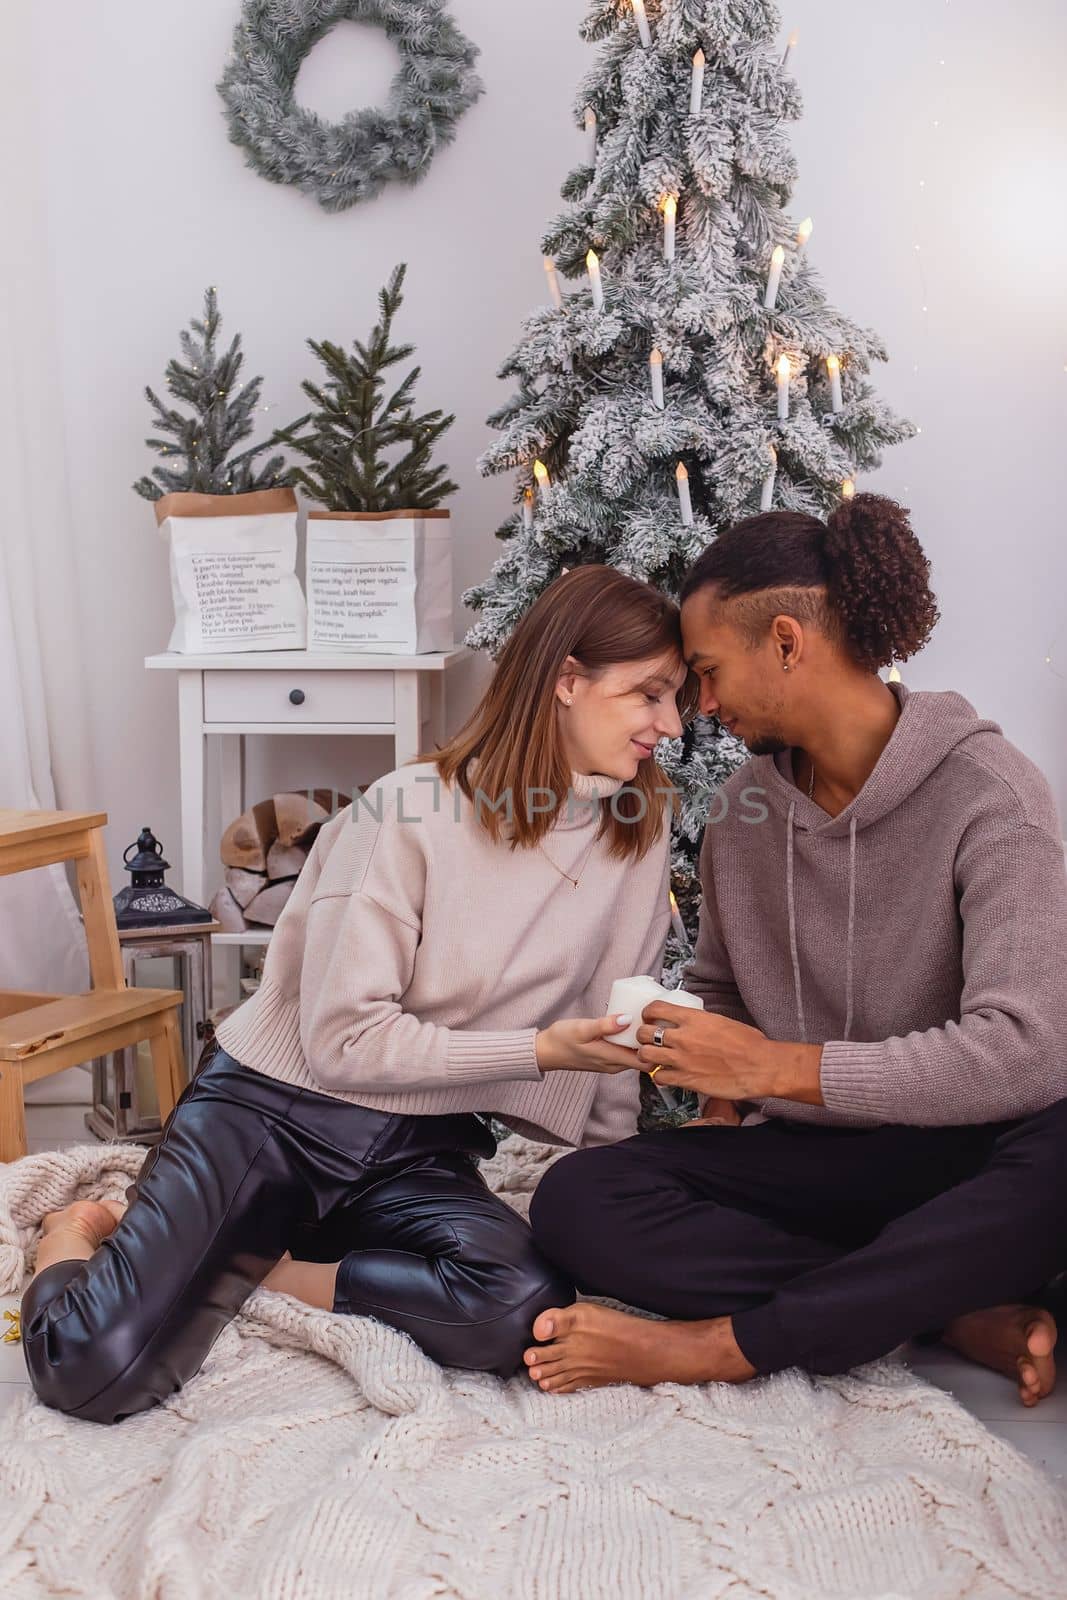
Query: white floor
(1040,1433)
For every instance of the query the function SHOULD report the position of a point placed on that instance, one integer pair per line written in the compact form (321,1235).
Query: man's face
(740,686)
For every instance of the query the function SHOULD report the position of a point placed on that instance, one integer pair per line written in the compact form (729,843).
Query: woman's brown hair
(602,618)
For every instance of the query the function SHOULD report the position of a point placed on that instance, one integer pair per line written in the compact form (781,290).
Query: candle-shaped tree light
(527,509)
(774,277)
(642,22)
(790,47)
(590,137)
(544,482)
(833,369)
(670,216)
(767,497)
(804,233)
(784,373)
(553,283)
(685,499)
(596,284)
(655,367)
(848,489)
(696,87)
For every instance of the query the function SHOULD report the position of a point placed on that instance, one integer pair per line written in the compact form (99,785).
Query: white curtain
(44,755)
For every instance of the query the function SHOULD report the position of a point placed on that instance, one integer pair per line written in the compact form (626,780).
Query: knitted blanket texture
(323,1457)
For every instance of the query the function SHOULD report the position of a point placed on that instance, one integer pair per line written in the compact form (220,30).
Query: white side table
(290,691)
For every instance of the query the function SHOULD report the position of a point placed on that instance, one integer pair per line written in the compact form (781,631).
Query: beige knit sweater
(416,960)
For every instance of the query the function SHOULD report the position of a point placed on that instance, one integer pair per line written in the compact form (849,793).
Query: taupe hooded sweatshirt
(920,936)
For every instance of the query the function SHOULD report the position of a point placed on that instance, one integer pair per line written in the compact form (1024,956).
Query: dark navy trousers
(249,1167)
(828,1247)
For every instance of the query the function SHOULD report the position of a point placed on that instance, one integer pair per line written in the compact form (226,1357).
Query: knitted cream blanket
(322,1457)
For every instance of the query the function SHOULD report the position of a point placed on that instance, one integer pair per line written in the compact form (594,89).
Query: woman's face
(615,720)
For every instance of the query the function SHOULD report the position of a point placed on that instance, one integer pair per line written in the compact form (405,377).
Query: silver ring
(657,1037)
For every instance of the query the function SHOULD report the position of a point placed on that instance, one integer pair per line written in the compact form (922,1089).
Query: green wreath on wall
(341,163)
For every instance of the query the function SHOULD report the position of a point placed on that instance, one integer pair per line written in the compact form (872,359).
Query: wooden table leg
(168,1064)
(407,716)
(98,912)
(12,1113)
(191,761)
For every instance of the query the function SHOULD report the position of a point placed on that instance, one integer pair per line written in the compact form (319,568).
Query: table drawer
(298,696)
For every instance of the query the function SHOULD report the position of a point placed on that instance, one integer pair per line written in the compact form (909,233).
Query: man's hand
(725,1059)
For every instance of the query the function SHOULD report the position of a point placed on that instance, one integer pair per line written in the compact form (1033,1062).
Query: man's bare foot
(93,1219)
(592,1345)
(1016,1340)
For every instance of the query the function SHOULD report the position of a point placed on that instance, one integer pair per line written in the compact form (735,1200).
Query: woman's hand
(579,1044)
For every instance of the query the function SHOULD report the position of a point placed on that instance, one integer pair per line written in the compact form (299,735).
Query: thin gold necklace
(559,869)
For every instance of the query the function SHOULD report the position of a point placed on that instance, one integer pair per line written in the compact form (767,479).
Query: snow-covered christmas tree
(696,374)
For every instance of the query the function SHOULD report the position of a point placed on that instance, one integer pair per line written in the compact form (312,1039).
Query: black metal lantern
(154,924)
(147,902)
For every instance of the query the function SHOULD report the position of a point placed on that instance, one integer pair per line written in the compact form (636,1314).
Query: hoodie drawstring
(793,949)
(851,923)
(797,990)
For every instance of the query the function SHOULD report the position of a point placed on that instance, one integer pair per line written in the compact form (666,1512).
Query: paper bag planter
(233,571)
(379,582)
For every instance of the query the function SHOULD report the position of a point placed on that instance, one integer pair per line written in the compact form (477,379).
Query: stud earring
(785,667)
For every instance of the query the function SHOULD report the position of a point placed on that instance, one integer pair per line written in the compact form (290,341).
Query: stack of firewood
(263,853)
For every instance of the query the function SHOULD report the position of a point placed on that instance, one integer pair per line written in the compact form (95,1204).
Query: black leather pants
(248,1168)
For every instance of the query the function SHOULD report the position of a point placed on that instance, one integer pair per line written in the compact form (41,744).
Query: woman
(447,951)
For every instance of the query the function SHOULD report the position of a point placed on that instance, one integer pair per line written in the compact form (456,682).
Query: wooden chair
(45,1033)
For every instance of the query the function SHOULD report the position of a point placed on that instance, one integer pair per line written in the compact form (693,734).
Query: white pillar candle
(848,489)
(804,233)
(544,482)
(685,499)
(527,509)
(592,262)
(774,277)
(670,215)
(783,371)
(655,367)
(696,89)
(767,497)
(677,924)
(642,22)
(833,368)
(553,283)
(630,996)
(590,137)
(790,47)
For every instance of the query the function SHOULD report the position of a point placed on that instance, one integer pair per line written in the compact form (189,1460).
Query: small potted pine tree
(379,556)
(229,517)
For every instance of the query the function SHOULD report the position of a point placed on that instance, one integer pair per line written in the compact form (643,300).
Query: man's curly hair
(862,577)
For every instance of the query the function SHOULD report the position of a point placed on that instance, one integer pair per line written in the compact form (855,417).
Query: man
(883,965)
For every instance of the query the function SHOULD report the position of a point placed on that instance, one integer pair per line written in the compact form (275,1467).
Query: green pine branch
(366,449)
(198,443)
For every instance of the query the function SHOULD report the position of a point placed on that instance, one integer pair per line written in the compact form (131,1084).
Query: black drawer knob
(297,696)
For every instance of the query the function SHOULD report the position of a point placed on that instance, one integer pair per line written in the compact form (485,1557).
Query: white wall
(147,202)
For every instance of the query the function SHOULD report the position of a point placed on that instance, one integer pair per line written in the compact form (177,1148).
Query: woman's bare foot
(1016,1340)
(95,1219)
(314,1282)
(76,1232)
(592,1345)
